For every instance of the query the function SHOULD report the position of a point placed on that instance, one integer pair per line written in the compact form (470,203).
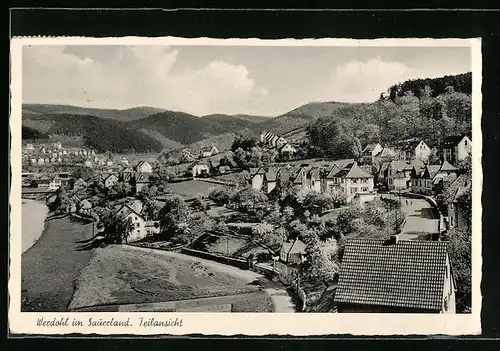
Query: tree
(174,218)
(220,195)
(119,190)
(245,142)
(116,228)
(332,137)
(266,234)
(461,262)
(323,257)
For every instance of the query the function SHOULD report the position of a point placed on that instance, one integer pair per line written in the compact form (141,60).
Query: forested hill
(32,134)
(461,83)
(429,116)
(130,114)
(97,133)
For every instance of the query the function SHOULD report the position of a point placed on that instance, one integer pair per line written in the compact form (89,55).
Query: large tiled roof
(407,274)
(386,152)
(353,171)
(457,188)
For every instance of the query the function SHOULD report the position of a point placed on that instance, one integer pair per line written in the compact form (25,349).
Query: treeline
(431,118)
(101,134)
(461,83)
(29,133)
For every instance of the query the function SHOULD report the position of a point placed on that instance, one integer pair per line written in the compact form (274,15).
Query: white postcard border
(300,324)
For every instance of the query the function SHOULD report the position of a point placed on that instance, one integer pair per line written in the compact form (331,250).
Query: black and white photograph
(203,176)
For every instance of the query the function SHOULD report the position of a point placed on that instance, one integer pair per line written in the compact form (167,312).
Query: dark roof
(407,274)
(459,187)
(352,170)
(452,141)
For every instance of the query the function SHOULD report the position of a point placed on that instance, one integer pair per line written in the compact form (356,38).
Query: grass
(191,188)
(126,275)
(52,264)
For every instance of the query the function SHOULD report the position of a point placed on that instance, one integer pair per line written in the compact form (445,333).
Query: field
(191,188)
(120,275)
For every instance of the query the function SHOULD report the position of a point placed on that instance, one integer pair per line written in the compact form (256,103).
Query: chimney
(394,239)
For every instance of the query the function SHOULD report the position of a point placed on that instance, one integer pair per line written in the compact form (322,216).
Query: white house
(143,167)
(138,231)
(414,149)
(287,151)
(353,181)
(198,168)
(55,183)
(369,152)
(110,180)
(456,148)
(208,151)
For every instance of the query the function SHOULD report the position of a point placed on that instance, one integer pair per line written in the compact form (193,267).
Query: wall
(218,258)
(257,181)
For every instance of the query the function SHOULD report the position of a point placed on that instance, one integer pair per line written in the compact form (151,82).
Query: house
(152,227)
(398,174)
(287,151)
(33,161)
(42,182)
(138,231)
(314,179)
(109,163)
(143,167)
(428,179)
(257,178)
(456,148)
(88,163)
(85,207)
(271,139)
(29,147)
(141,181)
(458,208)
(199,168)
(413,149)
(55,183)
(124,161)
(270,179)
(291,256)
(395,276)
(57,145)
(369,152)
(207,151)
(187,156)
(351,180)
(110,180)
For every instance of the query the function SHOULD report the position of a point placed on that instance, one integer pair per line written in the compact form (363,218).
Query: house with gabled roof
(353,181)
(291,255)
(369,152)
(143,167)
(208,151)
(138,222)
(456,148)
(287,151)
(313,178)
(395,276)
(199,168)
(141,181)
(257,178)
(428,179)
(110,180)
(413,149)
(458,210)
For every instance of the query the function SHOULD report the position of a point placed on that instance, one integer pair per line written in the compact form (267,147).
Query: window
(354,190)
(354,181)
(465,142)
(364,180)
(137,225)
(365,189)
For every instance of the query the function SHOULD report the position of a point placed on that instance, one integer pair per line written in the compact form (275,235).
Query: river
(33,214)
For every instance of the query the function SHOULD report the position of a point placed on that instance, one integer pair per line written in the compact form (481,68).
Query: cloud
(363,81)
(137,76)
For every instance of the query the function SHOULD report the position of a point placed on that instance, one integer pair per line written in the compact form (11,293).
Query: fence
(243,264)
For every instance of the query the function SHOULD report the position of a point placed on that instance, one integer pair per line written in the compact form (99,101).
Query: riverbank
(33,215)
(51,266)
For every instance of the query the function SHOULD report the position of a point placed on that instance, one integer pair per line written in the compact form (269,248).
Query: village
(281,215)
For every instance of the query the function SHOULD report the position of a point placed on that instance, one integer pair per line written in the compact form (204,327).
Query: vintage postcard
(245,187)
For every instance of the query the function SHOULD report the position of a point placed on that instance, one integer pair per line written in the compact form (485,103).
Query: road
(421,219)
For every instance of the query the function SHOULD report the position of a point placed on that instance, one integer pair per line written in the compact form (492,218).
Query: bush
(221,195)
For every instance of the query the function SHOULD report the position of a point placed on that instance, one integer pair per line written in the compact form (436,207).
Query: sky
(201,80)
